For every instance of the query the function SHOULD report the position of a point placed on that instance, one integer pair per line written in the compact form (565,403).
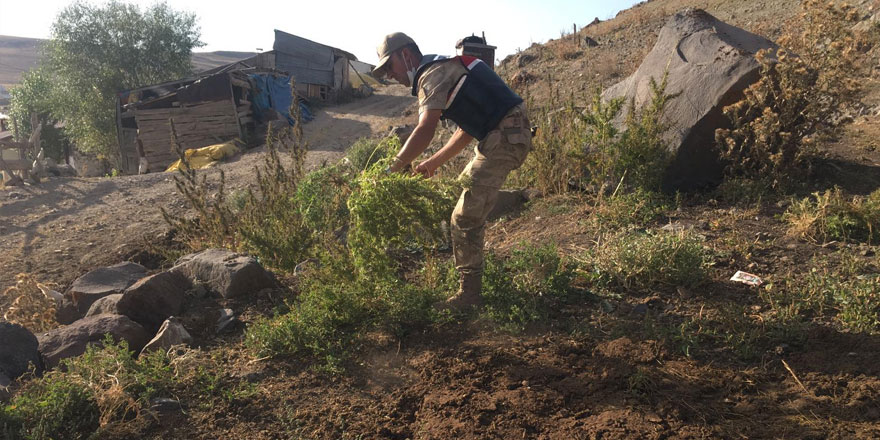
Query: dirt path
(66,226)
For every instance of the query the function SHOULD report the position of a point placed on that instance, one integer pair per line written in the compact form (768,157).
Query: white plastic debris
(747,278)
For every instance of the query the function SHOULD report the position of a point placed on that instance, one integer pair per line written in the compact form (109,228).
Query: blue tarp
(274,92)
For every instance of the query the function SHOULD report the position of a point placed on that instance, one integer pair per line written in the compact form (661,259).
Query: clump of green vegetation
(831,216)
(798,99)
(322,197)
(645,260)
(104,388)
(638,207)
(525,287)
(266,222)
(637,155)
(336,309)
(580,148)
(844,290)
(365,153)
(395,211)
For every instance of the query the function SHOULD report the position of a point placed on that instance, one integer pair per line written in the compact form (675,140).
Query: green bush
(596,147)
(524,287)
(637,207)
(267,222)
(335,311)
(52,407)
(104,386)
(851,297)
(396,211)
(364,153)
(645,260)
(831,216)
(322,198)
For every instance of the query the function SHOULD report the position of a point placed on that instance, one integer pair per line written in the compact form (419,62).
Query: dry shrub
(567,47)
(26,304)
(831,216)
(802,94)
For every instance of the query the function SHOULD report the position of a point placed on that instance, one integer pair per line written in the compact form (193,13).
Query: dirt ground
(64,227)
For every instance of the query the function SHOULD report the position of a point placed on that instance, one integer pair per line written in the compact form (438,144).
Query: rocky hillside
(573,65)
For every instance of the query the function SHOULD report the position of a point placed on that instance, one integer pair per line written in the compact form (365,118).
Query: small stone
(640,309)
(164,404)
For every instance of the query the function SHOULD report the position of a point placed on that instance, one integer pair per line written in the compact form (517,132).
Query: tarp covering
(307,61)
(205,157)
(274,92)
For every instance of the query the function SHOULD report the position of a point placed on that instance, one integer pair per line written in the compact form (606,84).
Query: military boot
(468,295)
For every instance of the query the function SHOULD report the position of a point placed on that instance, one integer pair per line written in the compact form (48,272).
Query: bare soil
(64,227)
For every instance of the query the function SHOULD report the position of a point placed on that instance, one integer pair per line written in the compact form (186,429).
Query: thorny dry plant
(28,304)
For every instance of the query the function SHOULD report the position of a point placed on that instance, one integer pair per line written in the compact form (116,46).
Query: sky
(354,26)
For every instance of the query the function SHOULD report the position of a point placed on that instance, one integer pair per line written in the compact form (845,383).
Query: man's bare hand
(426,169)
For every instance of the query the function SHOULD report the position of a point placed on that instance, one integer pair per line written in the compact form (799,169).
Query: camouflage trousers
(503,150)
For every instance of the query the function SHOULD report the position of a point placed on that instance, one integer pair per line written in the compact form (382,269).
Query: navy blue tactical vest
(479,100)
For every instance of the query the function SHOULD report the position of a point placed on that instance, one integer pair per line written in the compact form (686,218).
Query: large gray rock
(72,340)
(5,382)
(19,349)
(225,272)
(153,299)
(710,64)
(172,332)
(102,282)
(105,305)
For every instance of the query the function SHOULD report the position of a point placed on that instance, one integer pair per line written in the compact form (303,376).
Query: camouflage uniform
(503,150)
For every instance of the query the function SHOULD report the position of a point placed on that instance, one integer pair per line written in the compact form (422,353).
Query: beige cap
(391,43)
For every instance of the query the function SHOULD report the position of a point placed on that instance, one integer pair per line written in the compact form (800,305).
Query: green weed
(645,260)
(525,287)
(395,211)
(638,207)
(830,216)
(104,387)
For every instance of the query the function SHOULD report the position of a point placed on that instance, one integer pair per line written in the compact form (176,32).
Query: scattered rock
(164,405)
(66,312)
(18,351)
(102,282)
(153,299)
(105,305)
(710,63)
(225,272)
(226,318)
(15,195)
(72,340)
(170,333)
(524,59)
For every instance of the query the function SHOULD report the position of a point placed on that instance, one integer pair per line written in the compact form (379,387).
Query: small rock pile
(126,303)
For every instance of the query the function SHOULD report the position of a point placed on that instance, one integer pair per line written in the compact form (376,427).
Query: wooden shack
(210,108)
